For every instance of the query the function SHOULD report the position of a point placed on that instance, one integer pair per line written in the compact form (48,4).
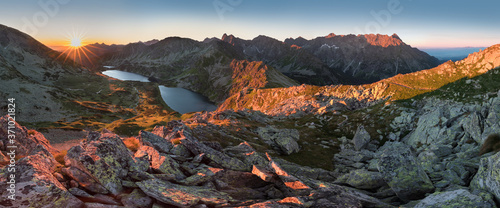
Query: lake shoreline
(178,99)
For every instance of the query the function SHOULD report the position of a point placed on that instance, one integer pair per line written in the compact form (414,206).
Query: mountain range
(322,61)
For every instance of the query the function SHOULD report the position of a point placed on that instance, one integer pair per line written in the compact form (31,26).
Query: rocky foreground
(170,168)
(437,164)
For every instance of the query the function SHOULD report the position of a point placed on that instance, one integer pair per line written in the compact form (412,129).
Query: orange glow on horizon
(76,48)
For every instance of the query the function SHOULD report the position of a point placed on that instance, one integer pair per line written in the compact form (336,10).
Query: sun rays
(77,49)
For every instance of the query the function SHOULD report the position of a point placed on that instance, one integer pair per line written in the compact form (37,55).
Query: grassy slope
(95,102)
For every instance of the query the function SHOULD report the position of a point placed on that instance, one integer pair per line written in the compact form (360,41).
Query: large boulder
(306,172)
(34,184)
(402,173)
(136,199)
(456,198)
(103,157)
(153,140)
(85,180)
(288,184)
(331,195)
(363,179)
(203,174)
(361,138)
(160,162)
(244,185)
(473,124)
(487,177)
(246,153)
(182,196)
(427,130)
(24,141)
(184,135)
(283,140)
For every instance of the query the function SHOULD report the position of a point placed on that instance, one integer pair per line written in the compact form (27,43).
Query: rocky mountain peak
(151,42)
(300,41)
(228,38)
(331,35)
(384,40)
(394,35)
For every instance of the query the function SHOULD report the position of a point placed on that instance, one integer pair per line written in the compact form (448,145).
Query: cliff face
(366,58)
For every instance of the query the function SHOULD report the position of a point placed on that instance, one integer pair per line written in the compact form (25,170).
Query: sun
(77,49)
(76,42)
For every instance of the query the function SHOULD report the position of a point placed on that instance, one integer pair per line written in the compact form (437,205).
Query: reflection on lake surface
(179,99)
(185,101)
(125,76)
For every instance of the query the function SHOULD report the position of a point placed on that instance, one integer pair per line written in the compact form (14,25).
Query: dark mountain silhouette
(366,58)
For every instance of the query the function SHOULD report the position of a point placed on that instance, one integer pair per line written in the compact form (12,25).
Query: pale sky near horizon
(423,23)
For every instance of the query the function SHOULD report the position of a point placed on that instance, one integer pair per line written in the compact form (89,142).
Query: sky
(419,23)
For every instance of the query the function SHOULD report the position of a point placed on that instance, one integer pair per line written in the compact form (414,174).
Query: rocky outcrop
(283,140)
(361,138)
(220,159)
(136,198)
(34,183)
(363,179)
(182,196)
(402,173)
(103,158)
(306,99)
(457,198)
(23,140)
(486,178)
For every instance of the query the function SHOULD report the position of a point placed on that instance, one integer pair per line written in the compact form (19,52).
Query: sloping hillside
(399,87)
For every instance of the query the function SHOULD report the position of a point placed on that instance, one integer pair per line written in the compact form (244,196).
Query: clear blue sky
(420,23)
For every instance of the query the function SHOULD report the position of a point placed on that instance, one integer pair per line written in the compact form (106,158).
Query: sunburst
(77,49)
(76,42)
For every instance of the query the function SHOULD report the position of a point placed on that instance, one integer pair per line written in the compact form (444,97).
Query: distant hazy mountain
(366,58)
(451,54)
